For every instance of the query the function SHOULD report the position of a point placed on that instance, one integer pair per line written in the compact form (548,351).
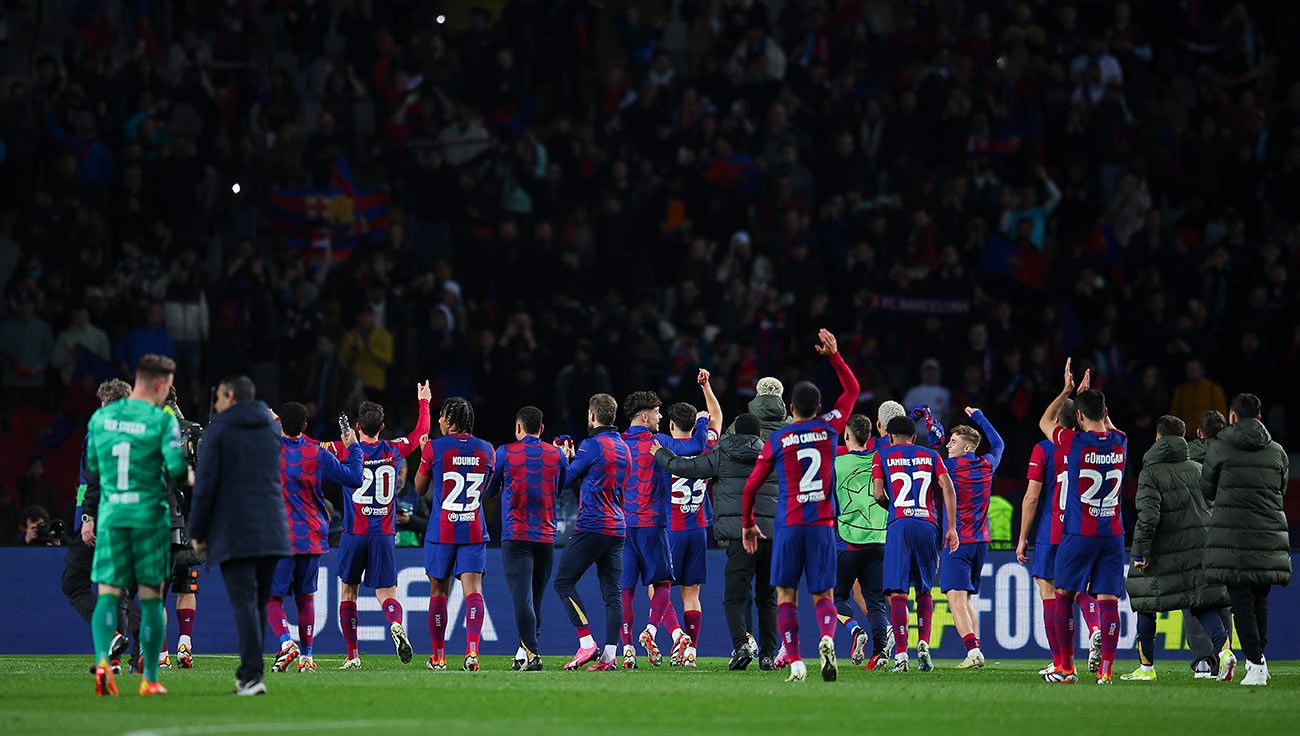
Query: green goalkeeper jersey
(132,445)
(860,520)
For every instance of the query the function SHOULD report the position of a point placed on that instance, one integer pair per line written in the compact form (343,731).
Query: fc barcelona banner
(1009,612)
(340,217)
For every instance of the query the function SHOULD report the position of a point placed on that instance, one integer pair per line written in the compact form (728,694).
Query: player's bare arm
(1028,512)
(878,492)
(1047,422)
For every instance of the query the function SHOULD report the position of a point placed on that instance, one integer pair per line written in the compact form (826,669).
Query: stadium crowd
(589,197)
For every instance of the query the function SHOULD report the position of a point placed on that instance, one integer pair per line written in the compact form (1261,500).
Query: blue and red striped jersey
(875,444)
(690,505)
(528,474)
(1051,499)
(458,467)
(911,476)
(303,467)
(1094,465)
(368,508)
(601,467)
(972,479)
(645,499)
(802,455)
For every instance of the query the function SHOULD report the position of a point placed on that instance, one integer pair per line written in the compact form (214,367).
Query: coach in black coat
(729,464)
(237,514)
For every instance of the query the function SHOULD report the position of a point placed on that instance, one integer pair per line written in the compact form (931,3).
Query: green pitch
(54,695)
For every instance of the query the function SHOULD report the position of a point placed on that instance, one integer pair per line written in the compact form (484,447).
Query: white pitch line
(283,727)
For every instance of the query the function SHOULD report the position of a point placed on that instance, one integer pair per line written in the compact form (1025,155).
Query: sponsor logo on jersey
(811,497)
(374,511)
(455,516)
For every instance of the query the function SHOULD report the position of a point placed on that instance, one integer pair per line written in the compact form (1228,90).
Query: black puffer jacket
(729,464)
(1245,476)
(1172,526)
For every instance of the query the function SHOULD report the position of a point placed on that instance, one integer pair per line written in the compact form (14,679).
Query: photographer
(184,580)
(38,531)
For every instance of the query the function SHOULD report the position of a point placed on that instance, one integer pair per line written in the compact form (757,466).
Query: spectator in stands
(367,351)
(1197,395)
(929,392)
(80,344)
(150,338)
(26,344)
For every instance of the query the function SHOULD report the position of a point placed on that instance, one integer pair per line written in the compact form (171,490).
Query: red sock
(629,615)
(1065,631)
(971,641)
(185,620)
(787,627)
(662,612)
(898,620)
(924,616)
(1108,612)
(826,617)
(438,625)
(276,618)
(348,625)
(1091,612)
(583,631)
(474,611)
(306,621)
(392,610)
(1049,628)
(693,625)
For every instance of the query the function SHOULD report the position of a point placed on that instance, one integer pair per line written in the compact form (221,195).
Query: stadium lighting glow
(441,19)
(235,188)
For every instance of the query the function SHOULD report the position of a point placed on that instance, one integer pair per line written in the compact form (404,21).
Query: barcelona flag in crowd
(340,217)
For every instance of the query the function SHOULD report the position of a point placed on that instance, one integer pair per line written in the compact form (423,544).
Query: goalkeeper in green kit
(131,446)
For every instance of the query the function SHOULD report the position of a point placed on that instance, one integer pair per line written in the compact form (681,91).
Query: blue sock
(285,638)
(851,624)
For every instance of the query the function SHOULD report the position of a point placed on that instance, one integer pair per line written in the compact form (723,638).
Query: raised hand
(827,345)
(1069,378)
(702,377)
(1086,382)
(970,411)
(423,391)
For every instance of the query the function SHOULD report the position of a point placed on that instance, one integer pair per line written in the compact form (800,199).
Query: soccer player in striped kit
(959,570)
(690,514)
(646,557)
(1044,504)
(903,476)
(802,454)
(454,469)
(1091,554)
(304,466)
(368,546)
(528,474)
(600,468)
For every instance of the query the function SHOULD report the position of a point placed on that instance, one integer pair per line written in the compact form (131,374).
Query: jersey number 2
(810,482)
(1092,496)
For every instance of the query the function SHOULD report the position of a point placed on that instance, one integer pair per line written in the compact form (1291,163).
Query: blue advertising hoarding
(1010,615)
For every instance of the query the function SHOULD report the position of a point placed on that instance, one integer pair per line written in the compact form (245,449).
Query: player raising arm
(368,546)
(802,454)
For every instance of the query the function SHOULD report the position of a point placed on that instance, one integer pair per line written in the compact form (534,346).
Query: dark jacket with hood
(238,505)
(771,414)
(1172,526)
(729,463)
(1245,476)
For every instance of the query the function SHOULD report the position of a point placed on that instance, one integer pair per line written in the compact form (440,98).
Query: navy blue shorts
(373,555)
(1092,564)
(445,560)
(808,551)
(911,555)
(961,570)
(295,575)
(688,549)
(646,557)
(1042,561)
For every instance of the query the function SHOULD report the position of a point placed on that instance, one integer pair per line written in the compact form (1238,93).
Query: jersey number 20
(381,480)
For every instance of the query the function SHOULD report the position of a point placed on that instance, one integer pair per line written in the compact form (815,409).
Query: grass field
(54,695)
